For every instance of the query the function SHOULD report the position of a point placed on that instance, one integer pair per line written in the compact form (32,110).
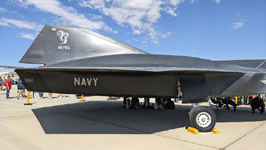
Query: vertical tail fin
(59,43)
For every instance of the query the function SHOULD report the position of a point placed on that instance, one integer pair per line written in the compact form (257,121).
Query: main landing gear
(202,118)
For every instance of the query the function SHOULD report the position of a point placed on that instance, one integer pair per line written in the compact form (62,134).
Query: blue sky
(209,29)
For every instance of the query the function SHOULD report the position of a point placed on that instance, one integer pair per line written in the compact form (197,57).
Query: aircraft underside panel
(219,82)
(139,84)
(236,84)
(194,89)
(248,84)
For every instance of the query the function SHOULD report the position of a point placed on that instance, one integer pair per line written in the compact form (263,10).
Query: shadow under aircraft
(92,117)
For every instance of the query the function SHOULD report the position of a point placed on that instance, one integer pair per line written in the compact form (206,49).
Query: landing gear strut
(202,118)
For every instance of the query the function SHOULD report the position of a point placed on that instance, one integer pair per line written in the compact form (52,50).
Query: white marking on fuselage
(261,64)
(85,81)
(95,81)
(89,81)
(263,81)
(76,81)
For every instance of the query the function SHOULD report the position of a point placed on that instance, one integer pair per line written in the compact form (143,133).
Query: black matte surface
(122,70)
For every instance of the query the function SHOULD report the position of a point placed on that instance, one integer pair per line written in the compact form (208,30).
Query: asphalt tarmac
(67,123)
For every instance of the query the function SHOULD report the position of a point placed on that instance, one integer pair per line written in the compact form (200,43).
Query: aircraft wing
(10,67)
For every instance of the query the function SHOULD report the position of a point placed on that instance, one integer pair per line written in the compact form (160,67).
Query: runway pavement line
(144,131)
(185,141)
(244,135)
(17,117)
(17,141)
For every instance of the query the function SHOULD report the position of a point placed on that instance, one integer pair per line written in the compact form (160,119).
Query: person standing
(21,89)
(50,95)
(40,95)
(1,82)
(8,86)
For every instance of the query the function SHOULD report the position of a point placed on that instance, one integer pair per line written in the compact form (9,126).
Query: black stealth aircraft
(80,61)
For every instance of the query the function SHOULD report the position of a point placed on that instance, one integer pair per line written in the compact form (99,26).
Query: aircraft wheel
(202,118)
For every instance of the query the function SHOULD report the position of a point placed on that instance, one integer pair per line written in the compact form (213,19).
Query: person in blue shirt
(40,95)
(21,89)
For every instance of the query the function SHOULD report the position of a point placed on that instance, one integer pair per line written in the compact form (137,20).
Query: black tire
(202,118)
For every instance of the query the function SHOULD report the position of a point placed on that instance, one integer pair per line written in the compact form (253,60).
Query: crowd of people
(3,82)
(255,101)
(6,85)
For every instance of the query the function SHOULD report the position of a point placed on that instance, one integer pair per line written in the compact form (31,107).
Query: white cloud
(28,35)
(155,41)
(166,35)
(114,31)
(68,15)
(170,11)
(95,17)
(140,15)
(217,1)
(20,24)
(136,31)
(193,1)
(135,39)
(2,9)
(106,28)
(4,24)
(176,2)
(237,24)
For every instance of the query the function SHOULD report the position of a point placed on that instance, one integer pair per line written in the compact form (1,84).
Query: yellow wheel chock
(215,131)
(192,130)
(195,131)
